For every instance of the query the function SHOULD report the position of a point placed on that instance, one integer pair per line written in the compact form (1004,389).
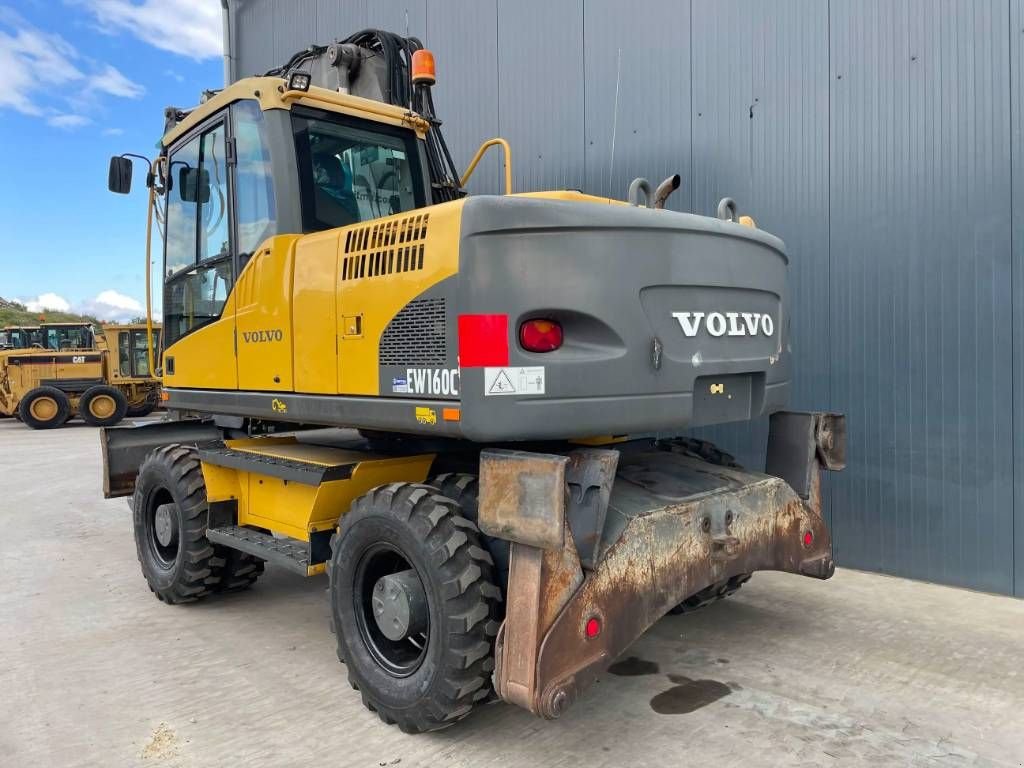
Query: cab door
(263,295)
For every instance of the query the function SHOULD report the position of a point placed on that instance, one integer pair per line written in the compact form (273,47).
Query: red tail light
(540,335)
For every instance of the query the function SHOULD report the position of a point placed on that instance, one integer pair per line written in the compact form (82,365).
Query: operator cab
(61,336)
(21,337)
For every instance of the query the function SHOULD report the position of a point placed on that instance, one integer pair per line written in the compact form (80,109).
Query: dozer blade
(674,525)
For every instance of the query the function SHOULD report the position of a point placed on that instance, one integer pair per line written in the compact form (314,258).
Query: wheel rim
(43,408)
(102,406)
(399,657)
(162,530)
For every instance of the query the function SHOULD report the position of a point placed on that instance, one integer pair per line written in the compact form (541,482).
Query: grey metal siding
(1016,36)
(881,139)
(921,288)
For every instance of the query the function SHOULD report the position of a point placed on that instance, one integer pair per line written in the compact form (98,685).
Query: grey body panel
(613,275)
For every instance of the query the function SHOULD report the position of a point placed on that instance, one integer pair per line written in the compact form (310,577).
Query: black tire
(148,406)
(464,490)
(102,406)
(240,571)
(44,408)
(709,452)
(189,567)
(717,591)
(406,527)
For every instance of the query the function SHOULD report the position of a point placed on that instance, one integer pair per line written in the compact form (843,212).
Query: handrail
(149,275)
(480,153)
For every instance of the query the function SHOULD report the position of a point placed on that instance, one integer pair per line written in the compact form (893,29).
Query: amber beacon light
(423,69)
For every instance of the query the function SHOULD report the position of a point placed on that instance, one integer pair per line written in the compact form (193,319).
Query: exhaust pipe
(666,188)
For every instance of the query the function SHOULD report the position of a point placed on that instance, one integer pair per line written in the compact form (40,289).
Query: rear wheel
(102,406)
(414,606)
(44,408)
(147,407)
(169,517)
(717,591)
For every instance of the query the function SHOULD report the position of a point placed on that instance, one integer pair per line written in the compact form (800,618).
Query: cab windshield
(353,170)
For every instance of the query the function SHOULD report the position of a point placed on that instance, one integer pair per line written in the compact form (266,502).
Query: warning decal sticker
(514,381)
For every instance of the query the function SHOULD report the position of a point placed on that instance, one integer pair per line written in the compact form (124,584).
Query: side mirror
(119,179)
(194,185)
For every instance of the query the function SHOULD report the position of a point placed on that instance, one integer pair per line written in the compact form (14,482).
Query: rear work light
(540,335)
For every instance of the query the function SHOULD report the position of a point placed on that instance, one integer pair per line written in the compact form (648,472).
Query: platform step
(286,552)
(305,464)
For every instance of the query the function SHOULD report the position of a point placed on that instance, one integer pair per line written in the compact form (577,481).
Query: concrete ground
(94,671)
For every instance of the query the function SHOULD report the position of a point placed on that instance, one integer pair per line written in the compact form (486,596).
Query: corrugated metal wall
(881,139)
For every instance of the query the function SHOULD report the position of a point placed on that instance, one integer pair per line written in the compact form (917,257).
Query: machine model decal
(427,381)
(254,337)
(278,406)
(514,381)
(726,323)
(426,416)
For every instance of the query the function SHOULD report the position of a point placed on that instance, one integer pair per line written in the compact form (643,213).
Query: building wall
(881,139)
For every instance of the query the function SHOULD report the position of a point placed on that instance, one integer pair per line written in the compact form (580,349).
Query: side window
(213,200)
(255,207)
(180,252)
(140,357)
(124,354)
(197,265)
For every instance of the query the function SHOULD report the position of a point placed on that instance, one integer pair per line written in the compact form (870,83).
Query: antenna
(615,117)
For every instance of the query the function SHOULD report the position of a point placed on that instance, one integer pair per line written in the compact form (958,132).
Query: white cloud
(47,301)
(174,75)
(112,131)
(110,80)
(43,73)
(111,305)
(30,58)
(187,27)
(68,121)
(108,305)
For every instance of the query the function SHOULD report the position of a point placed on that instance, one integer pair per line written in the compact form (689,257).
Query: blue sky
(85,79)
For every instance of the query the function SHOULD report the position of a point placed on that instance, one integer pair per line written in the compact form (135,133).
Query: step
(292,554)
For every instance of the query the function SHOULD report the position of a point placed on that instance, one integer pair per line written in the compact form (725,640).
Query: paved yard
(94,671)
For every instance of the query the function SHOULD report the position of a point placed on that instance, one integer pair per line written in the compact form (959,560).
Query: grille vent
(416,335)
(384,248)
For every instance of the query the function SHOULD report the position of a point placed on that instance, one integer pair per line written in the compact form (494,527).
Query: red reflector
(540,335)
(483,340)
(593,627)
(808,538)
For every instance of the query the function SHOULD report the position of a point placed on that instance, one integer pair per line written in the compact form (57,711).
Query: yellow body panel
(375,298)
(263,318)
(297,510)
(307,312)
(314,313)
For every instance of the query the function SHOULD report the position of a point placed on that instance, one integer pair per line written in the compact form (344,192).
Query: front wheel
(44,408)
(414,606)
(169,517)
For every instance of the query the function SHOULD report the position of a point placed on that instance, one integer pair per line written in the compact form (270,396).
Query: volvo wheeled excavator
(467,410)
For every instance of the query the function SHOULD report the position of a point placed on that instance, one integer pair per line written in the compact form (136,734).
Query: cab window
(255,206)
(197,265)
(353,170)
(132,357)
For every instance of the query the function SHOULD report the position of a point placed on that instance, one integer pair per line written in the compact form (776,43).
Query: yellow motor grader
(72,370)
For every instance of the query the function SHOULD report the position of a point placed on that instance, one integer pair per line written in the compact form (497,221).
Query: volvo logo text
(725,323)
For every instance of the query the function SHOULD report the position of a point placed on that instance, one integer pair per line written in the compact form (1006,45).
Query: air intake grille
(386,247)
(416,335)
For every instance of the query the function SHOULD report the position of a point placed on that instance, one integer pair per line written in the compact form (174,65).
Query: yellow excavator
(467,410)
